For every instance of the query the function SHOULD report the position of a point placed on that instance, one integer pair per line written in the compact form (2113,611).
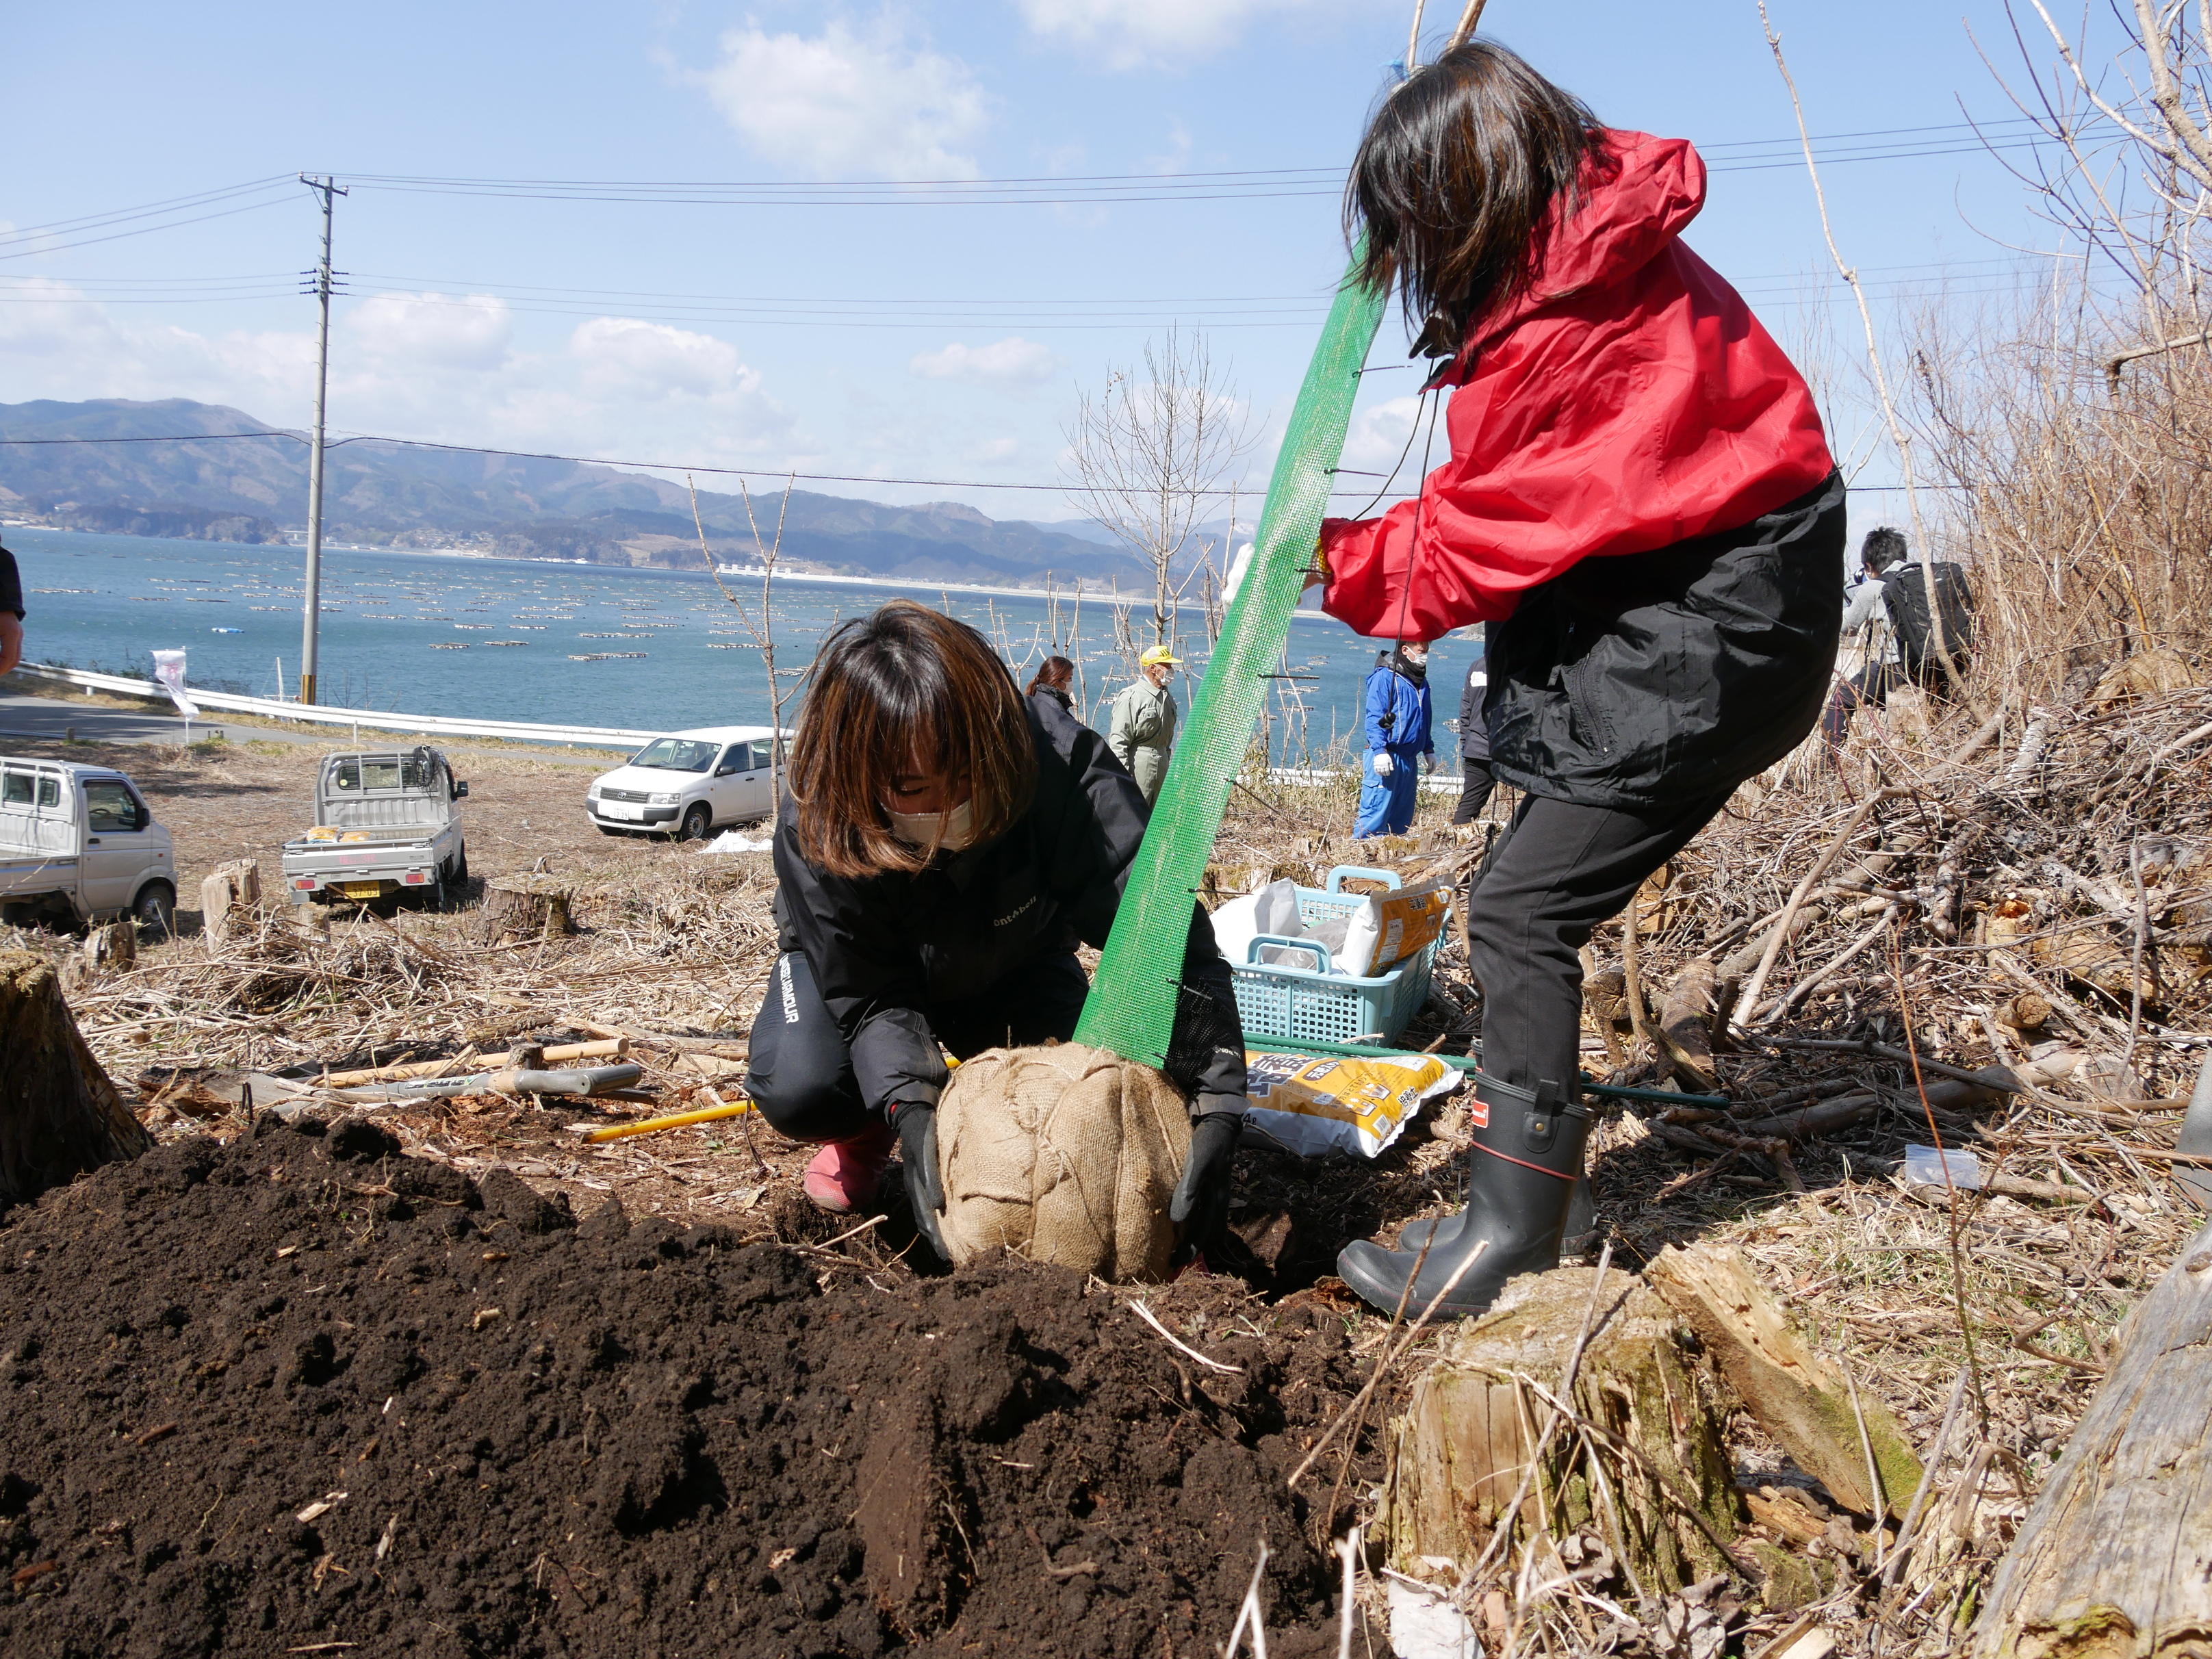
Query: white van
(687,784)
(79,844)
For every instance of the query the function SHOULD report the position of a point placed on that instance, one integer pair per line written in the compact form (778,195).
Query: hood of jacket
(1637,195)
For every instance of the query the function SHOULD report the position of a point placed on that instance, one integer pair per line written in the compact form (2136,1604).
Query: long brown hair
(903,687)
(1053,674)
(1453,180)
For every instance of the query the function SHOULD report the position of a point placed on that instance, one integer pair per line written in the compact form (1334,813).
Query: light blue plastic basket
(1303,1005)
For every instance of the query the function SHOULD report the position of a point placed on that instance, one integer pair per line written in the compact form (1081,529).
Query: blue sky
(911,337)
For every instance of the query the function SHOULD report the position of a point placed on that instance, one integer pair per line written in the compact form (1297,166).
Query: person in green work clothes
(1143,732)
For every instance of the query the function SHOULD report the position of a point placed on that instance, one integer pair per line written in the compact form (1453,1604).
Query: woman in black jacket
(1054,678)
(946,845)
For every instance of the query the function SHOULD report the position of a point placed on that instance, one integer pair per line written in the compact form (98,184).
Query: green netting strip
(1132,1006)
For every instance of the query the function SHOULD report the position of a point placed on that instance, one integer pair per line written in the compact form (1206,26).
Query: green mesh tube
(1132,1006)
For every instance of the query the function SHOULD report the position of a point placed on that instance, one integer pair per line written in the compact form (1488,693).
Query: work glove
(915,1125)
(1384,766)
(1428,763)
(1202,1197)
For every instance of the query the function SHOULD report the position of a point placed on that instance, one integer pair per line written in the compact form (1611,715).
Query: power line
(1887,144)
(1959,279)
(872,304)
(174,204)
(1162,190)
(143,230)
(1946,137)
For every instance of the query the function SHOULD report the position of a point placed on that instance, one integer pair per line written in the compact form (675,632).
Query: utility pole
(321,281)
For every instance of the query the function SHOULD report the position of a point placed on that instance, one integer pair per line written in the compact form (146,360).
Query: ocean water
(499,639)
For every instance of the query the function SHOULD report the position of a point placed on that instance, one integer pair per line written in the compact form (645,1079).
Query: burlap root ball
(1064,1154)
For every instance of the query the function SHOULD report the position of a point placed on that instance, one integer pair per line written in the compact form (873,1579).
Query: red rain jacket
(1627,401)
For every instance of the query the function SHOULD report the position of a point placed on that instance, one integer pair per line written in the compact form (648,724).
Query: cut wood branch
(1802,1398)
(1685,1023)
(1782,928)
(468,1059)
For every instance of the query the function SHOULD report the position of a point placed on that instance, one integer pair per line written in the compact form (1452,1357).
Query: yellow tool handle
(654,1125)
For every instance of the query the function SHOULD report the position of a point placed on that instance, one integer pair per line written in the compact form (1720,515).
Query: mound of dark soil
(303,1394)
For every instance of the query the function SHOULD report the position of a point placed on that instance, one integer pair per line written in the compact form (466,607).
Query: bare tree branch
(1899,438)
(1147,452)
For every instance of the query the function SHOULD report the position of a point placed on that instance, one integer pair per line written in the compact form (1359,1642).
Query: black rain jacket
(11,585)
(884,948)
(1655,680)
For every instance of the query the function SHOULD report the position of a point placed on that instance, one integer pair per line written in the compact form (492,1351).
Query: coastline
(1119,598)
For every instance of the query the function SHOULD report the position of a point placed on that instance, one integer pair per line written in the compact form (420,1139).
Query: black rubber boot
(1522,1167)
(1575,1239)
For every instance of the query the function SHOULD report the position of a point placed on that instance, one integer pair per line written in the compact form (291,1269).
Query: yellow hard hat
(1160,653)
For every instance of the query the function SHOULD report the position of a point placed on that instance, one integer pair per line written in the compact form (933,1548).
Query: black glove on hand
(916,1126)
(1203,1192)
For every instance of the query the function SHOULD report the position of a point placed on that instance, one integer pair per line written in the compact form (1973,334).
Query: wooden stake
(1468,18)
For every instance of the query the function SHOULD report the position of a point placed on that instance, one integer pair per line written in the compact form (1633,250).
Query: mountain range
(117,479)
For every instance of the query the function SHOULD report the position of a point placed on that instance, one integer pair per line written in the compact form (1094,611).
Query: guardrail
(1440,783)
(374,719)
(581,736)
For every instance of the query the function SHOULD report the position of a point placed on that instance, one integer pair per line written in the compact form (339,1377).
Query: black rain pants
(800,1072)
(1560,870)
(1476,782)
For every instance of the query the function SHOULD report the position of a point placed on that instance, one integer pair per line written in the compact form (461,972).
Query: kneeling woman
(946,845)
(1641,504)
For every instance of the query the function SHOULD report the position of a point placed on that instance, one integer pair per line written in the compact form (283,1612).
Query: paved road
(25,716)
(53,718)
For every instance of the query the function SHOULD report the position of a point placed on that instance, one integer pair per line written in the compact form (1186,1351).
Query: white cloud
(623,356)
(445,330)
(1378,439)
(1004,364)
(1129,32)
(444,368)
(850,101)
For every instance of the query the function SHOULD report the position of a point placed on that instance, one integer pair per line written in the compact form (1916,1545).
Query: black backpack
(1905,593)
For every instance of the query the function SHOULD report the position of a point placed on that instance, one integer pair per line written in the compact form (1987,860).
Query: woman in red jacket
(1641,504)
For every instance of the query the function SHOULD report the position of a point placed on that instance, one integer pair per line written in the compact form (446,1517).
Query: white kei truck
(78,845)
(387,824)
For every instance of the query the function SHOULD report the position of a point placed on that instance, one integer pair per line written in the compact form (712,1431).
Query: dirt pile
(303,1394)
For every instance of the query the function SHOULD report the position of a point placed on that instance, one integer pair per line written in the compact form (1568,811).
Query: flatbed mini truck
(78,844)
(387,824)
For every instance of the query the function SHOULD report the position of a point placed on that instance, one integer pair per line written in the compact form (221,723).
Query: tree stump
(60,1115)
(2115,1558)
(1650,1476)
(525,907)
(230,888)
(1802,1398)
(112,948)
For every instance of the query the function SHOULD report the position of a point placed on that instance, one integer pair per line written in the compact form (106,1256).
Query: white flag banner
(169,670)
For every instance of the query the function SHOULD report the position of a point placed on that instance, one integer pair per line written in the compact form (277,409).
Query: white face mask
(1414,655)
(952,831)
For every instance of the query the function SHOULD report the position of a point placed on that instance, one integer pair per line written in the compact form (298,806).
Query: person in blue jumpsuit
(1396,727)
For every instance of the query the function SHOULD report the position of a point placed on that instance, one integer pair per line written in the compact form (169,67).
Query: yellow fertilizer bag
(1355,1105)
(1388,928)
